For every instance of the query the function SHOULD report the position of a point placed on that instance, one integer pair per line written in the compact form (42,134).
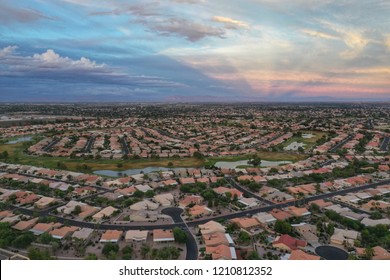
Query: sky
(194,51)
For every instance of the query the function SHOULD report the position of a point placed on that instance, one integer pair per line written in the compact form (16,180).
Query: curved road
(192,248)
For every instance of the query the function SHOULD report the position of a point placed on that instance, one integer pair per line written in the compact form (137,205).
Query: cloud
(387,42)
(192,31)
(140,10)
(230,23)
(7,51)
(352,37)
(319,34)
(188,1)
(50,58)
(10,14)
(49,65)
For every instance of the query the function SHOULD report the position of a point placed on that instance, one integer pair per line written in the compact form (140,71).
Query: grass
(310,142)
(16,155)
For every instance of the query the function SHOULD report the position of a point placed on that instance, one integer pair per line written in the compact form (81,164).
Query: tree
(127,252)
(253,256)
(180,235)
(77,210)
(4,155)
(376,215)
(283,227)
(368,253)
(109,249)
(36,254)
(45,238)
(198,155)
(91,256)
(330,229)
(314,208)
(24,240)
(244,238)
(255,161)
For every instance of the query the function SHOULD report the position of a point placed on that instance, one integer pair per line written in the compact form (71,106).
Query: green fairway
(17,155)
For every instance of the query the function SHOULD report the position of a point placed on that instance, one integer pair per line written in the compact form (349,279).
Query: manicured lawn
(310,142)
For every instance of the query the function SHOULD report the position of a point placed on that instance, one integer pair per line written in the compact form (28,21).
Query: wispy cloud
(319,34)
(9,14)
(192,31)
(230,23)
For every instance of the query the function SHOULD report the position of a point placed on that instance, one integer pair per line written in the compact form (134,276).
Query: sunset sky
(194,50)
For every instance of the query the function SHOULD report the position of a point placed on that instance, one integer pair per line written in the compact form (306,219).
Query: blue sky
(194,50)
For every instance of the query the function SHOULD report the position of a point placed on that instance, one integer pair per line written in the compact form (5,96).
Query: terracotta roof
(221,252)
(280,215)
(160,235)
(301,255)
(25,225)
(111,236)
(246,223)
(290,242)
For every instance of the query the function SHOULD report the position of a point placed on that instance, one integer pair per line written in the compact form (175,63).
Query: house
(371,223)
(379,253)
(265,219)
(307,231)
(44,202)
(301,255)
(136,235)
(11,219)
(185,181)
(170,182)
(298,212)
(163,236)
(111,236)
(83,234)
(211,227)
(221,252)
(249,202)
(6,213)
(373,205)
(104,213)
(164,200)
(86,210)
(63,232)
(144,205)
(25,225)
(289,243)
(190,199)
(224,190)
(217,238)
(246,223)
(280,214)
(143,188)
(126,191)
(342,237)
(40,228)
(321,203)
(199,210)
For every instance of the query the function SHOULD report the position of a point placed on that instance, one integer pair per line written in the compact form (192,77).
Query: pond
(331,253)
(234,164)
(129,172)
(20,139)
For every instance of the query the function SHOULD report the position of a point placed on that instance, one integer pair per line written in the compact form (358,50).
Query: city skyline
(194,50)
